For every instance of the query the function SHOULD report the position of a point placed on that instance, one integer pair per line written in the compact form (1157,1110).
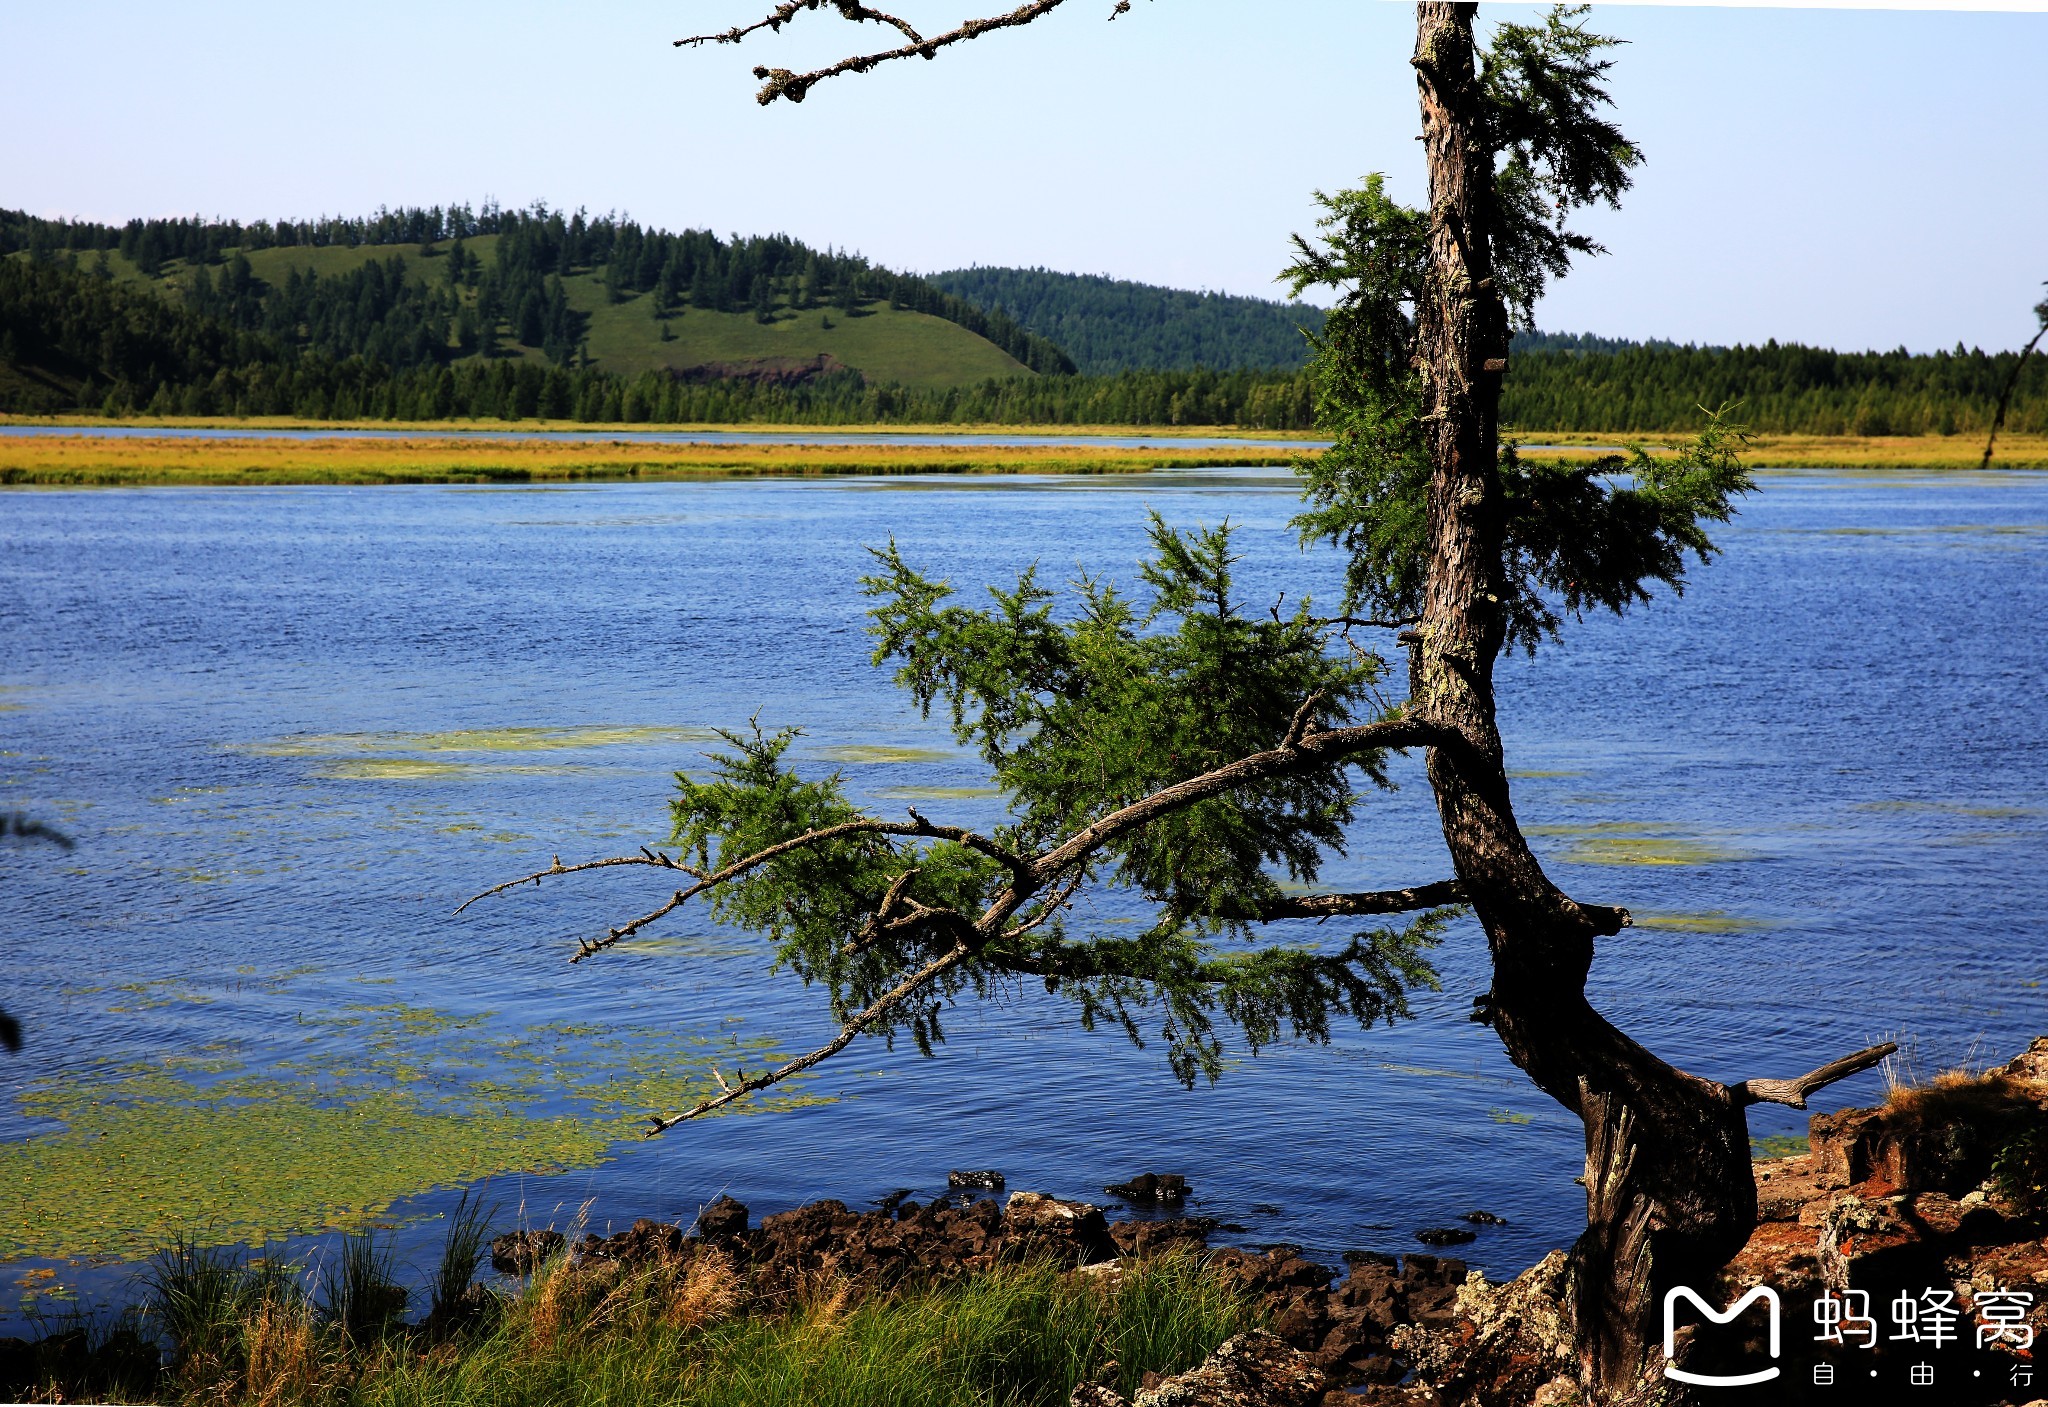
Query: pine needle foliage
(1080,704)
(1599,534)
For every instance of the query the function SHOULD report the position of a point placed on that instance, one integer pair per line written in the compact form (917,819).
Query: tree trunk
(1669,1190)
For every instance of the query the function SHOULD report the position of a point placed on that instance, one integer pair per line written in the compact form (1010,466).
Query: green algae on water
(1778,1145)
(1635,843)
(936,793)
(1704,921)
(530,739)
(1952,808)
(865,754)
(386,1101)
(416,769)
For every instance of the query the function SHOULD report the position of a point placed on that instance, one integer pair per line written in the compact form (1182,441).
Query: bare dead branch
(1366,622)
(1795,1092)
(782,83)
(1378,901)
(2011,385)
(585,947)
(1019,867)
(1052,905)
(919,827)
(645,857)
(781,15)
(879,921)
(1303,720)
(876,1010)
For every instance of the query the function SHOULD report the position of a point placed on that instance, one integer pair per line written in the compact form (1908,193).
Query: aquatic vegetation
(1509,1116)
(521,739)
(1704,921)
(936,793)
(863,754)
(414,769)
(1778,1145)
(1634,843)
(1952,808)
(699,945)
(389,1100)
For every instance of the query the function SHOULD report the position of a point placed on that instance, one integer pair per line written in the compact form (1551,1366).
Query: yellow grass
(473,428)
(1832,451)
(85,460)
(430,454)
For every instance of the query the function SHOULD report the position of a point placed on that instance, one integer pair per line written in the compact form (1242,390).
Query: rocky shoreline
(1899,1198)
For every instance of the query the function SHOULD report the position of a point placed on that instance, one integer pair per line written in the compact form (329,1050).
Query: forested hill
(501,315)
(1109,324)
(414,288)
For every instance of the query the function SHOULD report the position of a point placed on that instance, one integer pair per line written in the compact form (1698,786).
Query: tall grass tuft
(196,1295)
(361,1300)
(462,1252)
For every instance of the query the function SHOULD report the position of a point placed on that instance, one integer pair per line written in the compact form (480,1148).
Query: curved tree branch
(1795,1092)
(645,857)
(782,14)
(1322,749)
(880,1007)
(1379,901)
(782,83)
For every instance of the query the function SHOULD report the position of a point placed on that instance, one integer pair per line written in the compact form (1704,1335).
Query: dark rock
(1251,1370)
(1484,1219)
(648,1242)
(1074,1233)
(1304,1321)
(1370,1258)
(1434,1270)
(905,1210)
(986,1179)
(894,1200)
(1139,1238)
(519,1252)
(1445,1236)
(1152,1187)
(724,1217)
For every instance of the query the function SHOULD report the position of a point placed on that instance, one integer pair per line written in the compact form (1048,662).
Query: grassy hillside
(884,344)
(1109,325)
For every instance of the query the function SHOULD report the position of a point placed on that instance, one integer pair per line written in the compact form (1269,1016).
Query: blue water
(1846,711)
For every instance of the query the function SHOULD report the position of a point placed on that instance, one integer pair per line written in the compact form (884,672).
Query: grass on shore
(498,454)
(1833,451)
(85,460)
(674,1334)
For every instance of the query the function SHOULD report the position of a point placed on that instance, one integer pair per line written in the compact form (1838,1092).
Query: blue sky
(1852,178)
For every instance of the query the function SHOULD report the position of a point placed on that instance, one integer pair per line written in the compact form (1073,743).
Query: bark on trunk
(1669,1191)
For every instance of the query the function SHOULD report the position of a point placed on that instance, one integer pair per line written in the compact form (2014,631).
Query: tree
(2012,382)
(1206,755)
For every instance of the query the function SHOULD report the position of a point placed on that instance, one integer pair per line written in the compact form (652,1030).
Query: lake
(289,730)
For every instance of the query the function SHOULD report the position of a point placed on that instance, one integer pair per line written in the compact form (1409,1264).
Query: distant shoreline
(39,452)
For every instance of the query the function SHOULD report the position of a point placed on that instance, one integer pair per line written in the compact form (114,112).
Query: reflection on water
(290,731)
